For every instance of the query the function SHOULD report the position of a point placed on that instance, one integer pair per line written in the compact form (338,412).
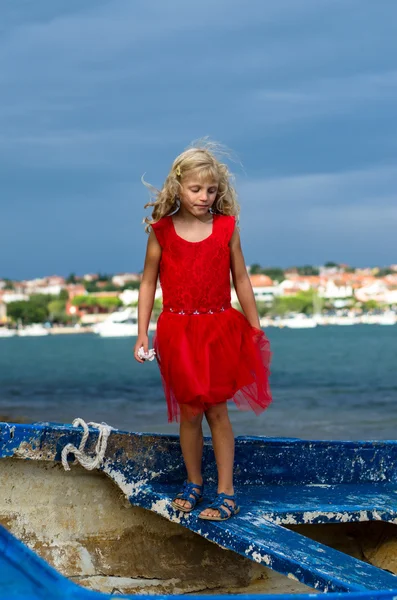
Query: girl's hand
(142,340)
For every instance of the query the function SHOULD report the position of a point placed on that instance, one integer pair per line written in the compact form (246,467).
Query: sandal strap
(220,504)
(223,495)
(222,512)
(189,491)
(195,485)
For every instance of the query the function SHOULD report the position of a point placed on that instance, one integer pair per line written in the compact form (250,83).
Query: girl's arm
(147,291)
(242,282)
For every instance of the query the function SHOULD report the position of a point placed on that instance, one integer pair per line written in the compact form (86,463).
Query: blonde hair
(202,159)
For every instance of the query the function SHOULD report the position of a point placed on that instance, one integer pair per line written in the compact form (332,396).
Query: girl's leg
(191,439)
(223,443)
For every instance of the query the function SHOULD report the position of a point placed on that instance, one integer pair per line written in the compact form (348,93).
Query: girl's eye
(196,190)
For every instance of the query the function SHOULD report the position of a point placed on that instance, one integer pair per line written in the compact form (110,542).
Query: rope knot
(81,457)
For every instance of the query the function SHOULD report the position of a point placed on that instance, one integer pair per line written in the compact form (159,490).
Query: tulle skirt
(207,359)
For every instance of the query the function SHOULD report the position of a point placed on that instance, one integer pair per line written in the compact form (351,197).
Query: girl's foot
(223,507)
(187,499)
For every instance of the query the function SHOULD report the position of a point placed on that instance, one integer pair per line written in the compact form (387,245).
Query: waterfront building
(264,288)
(335,289)
(121,279)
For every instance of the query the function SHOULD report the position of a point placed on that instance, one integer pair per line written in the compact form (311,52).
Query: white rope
(86,461)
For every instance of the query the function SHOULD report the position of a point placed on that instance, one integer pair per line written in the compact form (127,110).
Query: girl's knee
(193,422)
(217,414)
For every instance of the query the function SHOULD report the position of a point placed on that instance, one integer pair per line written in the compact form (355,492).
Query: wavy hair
(201,158)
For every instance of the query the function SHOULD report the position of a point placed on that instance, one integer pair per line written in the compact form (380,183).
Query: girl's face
(197,195)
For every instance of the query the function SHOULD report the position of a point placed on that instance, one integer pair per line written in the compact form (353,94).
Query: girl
(208,352)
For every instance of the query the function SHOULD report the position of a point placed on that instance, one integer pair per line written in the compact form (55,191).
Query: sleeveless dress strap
(160,229)
(227,226)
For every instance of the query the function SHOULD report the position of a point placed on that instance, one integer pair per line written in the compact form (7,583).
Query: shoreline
(293,321)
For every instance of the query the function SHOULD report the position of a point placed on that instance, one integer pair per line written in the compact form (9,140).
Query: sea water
(327,383)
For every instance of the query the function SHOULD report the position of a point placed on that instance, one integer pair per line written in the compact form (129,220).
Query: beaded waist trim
(197,311)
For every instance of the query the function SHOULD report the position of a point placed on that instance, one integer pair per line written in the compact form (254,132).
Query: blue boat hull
(282,483)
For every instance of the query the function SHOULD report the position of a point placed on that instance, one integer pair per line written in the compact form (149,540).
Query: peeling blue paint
(284,482)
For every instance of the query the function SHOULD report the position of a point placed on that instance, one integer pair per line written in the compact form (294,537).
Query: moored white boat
(123,323)
(7,333)
(299,321)
(345,320)
(34,330)
(387,318)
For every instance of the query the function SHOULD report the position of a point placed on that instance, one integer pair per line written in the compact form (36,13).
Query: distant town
(84,300)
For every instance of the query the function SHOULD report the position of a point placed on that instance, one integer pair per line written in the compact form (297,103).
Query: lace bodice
(195,276)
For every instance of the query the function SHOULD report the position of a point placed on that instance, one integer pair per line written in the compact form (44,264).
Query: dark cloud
(94,93)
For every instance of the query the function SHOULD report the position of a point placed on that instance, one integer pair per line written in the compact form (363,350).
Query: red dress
(207,351)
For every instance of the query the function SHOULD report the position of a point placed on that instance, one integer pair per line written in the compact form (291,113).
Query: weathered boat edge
(38,441)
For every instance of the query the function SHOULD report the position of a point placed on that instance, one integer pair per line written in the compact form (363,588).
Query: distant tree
(352,301)
(285,304)
(299,303)
(111,287)
(255,269)
(109,302)
(104,277)
(9,285)
(85,301)
(57,311)
(26,312)
(384,271)
(370,305)
(37,309)
(42,300)
(263,308)
(331,264)
(16,310)
(90,286)
(308,270)
(71,278)
(132,285)
(63,295)
(275,273)
(317,304)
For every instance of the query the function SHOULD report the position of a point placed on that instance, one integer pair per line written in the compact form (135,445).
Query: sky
(95,93)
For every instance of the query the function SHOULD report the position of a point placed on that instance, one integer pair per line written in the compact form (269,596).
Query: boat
(315,516)
(122,323)
(344,320)
(34,330)
(388,317)
(299,321)
(7,333)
